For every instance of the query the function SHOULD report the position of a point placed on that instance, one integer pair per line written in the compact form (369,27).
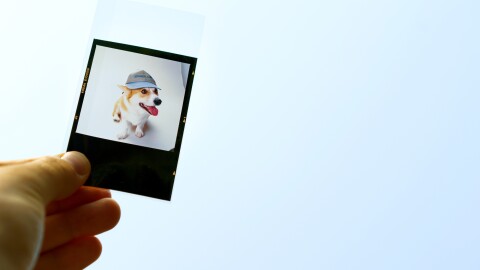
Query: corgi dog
(133,109)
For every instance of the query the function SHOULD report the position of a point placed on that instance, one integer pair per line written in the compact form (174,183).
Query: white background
(110,68)
(320,134)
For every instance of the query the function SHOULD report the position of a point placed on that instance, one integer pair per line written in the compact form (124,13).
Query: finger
(13,162)
(75,255)
(46,179)
(20,161)
(89,219)
(82,196)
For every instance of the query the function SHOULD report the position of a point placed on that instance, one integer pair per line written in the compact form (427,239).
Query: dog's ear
(123,87)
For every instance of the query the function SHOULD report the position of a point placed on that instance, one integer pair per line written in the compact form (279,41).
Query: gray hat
(140,79)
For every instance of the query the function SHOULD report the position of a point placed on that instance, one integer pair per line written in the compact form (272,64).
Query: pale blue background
(321,134)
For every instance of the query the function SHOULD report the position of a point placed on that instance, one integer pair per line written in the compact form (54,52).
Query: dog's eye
(155,91)
(144,91)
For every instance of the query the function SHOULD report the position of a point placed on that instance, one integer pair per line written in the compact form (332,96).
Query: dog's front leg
(124,129)
(139,130)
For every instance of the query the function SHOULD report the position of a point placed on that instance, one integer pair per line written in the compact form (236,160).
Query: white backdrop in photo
(110,68)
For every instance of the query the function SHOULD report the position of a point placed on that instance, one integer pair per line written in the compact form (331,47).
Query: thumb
(45,179)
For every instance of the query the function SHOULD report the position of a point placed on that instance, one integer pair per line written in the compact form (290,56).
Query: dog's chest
(137,118)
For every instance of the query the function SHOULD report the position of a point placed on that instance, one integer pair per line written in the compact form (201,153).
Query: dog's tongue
(152,110)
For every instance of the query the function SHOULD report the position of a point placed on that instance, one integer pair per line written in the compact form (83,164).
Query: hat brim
(137,85)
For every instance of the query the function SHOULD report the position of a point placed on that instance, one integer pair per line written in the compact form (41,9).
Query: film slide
(130,117)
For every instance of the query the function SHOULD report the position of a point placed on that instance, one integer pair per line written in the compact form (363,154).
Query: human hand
(47,219)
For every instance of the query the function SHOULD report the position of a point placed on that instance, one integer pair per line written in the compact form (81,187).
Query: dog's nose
(157,101)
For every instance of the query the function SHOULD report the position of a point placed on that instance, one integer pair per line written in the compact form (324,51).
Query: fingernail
(78,161)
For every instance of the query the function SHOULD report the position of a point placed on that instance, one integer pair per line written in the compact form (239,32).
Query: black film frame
(126,167)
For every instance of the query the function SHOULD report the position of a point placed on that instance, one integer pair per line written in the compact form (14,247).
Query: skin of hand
(48,220)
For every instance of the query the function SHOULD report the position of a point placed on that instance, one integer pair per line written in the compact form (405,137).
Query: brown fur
(120,103)
(130,94)
(115,108)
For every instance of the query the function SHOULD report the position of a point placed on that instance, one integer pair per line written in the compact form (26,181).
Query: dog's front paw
(139,133)
(122,135)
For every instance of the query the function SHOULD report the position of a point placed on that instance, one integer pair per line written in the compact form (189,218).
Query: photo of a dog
(138,102)
(133,98)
